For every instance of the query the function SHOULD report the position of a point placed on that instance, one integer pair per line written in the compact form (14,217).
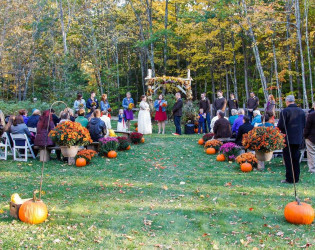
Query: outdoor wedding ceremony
(157,124)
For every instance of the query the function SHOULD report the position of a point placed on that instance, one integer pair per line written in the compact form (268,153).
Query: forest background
(51,50)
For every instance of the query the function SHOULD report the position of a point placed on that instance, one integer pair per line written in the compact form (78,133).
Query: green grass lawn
(165,193)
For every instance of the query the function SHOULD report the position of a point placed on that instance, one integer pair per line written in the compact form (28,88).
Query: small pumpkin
(221,157)
(128,148)
(246,167)
(80,162)
(112,154)
(33,211)
(196,130)
(136,129)
(142,140)
(210,151)
(200,141)
(15,198)
(299,213)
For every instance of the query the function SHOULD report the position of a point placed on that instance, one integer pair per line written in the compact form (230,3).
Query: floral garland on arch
(166,80)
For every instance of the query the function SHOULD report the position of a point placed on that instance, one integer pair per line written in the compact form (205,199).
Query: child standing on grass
(201,121)
(121,125)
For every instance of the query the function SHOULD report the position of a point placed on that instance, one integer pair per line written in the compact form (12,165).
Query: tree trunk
(234,68)
(117,69)
(165,37)
(288,10)
(276,72)
(256,54)
(64,34)
(308,49)
(245,68)
(149,16)
(299,37)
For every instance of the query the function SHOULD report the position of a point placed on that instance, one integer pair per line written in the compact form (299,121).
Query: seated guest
(33,119)
(45,124)
(71,114)
(214,119)
(19,127)
(271,117)
(2,122)
(266,122)
(23,112)
(64,116)
(54,117)
(96,126)
(257,117)
(81,119)
(243,129)
(89,115)
(233,117)
(106,119)
(312,109)
(7,127)
(238,121)
(222,127)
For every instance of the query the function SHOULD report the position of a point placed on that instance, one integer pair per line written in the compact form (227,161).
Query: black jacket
(309,131)
(219,104)
(205,105)
(253,103)
(293,118)
(232,104)
(97,129)
(32,121)
(177,108)
(243,129)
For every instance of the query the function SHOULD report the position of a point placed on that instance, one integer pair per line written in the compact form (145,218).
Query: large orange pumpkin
(33,211)
(200,141)
(210,151)
(296,213)
(142,140)
(80,162)
(112,154)
(246,167)
(221,157)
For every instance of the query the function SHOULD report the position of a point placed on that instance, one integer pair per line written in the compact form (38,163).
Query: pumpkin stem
(34,195)
(298,200)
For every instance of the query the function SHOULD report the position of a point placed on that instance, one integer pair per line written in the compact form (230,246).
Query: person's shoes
(175,134)
(285,181)
(163,133)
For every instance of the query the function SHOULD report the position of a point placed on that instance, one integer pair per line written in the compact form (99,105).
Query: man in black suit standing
(292,123)
(177,113)
(252,104)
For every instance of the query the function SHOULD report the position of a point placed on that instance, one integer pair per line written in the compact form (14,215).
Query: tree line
(51,50)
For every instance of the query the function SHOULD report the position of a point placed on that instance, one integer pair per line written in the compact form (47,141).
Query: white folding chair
(34,130)
(26,147)
(5,146)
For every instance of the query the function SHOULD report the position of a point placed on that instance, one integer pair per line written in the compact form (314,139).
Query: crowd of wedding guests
(292,122)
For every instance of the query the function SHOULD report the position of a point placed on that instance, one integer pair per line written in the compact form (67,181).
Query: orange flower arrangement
(216,144)
(265,139)
(70,134)
(87,154)
(164,104)
(247,157)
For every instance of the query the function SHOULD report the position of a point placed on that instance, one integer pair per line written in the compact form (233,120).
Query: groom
(177,113)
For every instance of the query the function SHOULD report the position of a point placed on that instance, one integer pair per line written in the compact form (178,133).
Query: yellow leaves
(165,187)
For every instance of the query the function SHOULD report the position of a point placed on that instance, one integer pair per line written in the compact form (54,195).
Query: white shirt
(106,119)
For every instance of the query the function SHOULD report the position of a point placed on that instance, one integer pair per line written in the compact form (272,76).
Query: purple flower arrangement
(230,151)
(108,144)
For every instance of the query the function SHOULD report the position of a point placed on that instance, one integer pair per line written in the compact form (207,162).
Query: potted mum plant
(247,158)
(87,154)
(230,150)
(108,144)
(264,140)
(216,144)
(136,137)
(207,137)
(70,136)
(123,143)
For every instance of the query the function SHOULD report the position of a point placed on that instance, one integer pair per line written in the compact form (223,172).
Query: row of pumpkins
(295,212)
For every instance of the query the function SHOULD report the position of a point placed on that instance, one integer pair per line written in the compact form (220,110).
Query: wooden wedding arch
(169,84)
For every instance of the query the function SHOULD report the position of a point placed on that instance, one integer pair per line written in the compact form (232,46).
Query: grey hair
(234,112)
(256,112)
(241,112)
(290,98)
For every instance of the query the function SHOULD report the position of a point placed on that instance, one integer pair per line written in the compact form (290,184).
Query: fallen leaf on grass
(228,184)
(165,187)
(280,233)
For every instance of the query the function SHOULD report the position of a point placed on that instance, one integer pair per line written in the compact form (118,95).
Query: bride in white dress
(144,117)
